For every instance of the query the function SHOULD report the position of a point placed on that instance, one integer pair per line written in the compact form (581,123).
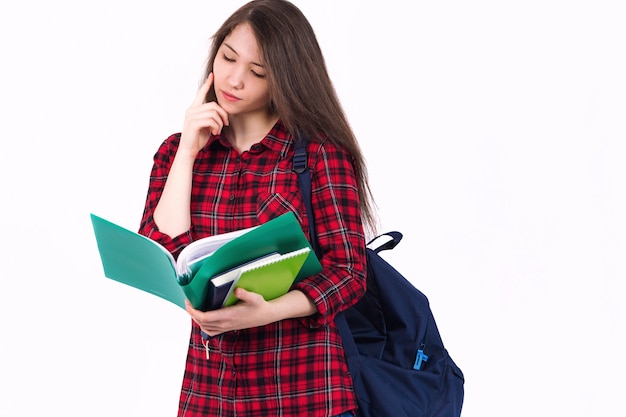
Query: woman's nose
(236,77)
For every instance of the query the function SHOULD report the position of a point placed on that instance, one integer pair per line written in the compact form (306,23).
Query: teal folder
(140,262)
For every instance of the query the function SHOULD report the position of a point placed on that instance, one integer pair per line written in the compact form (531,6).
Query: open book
(138,261)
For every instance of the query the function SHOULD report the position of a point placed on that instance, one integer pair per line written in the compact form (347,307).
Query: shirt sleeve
(340,235)
(162,162)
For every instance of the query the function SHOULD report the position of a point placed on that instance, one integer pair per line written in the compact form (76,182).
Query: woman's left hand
(251,311)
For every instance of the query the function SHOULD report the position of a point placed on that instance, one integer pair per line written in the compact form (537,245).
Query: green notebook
(135,260)
(271,277)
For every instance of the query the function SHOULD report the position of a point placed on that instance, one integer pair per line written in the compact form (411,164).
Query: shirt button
(232,197)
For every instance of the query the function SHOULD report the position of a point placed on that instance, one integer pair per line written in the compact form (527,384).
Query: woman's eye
(227,58)
(256,74)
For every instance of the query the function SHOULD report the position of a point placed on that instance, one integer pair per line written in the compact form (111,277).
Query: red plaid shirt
(294,367)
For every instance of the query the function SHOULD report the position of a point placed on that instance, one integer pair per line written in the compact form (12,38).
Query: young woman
(231,168)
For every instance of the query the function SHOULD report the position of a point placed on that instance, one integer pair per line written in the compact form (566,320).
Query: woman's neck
(246,130)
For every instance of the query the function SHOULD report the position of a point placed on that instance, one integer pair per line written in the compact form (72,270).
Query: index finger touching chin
(204,90)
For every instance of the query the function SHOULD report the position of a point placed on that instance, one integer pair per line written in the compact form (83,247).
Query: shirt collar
(278,139)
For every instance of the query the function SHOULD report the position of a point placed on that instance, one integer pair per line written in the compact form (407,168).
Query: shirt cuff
(321,318)
(173,245)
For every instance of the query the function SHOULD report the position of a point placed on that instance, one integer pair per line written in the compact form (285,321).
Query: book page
(201,249)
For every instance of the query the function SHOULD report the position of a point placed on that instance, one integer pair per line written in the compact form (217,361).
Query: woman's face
(240,81)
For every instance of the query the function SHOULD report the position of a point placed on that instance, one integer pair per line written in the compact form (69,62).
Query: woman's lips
(229,97)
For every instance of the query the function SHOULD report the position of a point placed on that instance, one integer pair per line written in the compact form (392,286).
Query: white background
(495,138)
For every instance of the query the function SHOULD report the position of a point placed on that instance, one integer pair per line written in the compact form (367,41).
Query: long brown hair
(301,92)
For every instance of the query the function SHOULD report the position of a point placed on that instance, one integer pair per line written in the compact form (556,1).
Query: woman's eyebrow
(235,52)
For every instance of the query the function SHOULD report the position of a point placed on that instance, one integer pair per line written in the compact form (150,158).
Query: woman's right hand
(201,120)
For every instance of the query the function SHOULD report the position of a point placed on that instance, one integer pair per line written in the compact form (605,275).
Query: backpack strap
(304,180)
(385,241)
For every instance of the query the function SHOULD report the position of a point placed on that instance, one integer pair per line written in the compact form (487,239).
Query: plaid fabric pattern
(294,367)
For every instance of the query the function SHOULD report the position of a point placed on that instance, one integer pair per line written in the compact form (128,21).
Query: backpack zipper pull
(420,358)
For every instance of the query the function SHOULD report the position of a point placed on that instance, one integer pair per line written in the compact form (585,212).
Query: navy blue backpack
(398,363)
